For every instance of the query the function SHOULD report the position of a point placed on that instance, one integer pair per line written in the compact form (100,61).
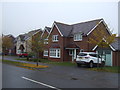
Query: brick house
(66,41)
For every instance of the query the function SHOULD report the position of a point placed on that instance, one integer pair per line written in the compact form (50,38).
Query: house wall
(116,58)
(46,45)
(101,27)
(19,42)
(60,43)
(66,41)
(28,45)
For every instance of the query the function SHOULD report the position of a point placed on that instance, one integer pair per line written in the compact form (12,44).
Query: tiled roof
(48,28)
(64,28)
(25,36)
(116,44)
(84,27)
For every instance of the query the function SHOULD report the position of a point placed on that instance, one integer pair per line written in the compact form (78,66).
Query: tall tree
(6,43)
(37,45)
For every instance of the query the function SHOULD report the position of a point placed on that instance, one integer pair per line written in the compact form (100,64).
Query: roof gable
(85,27)
(46,29)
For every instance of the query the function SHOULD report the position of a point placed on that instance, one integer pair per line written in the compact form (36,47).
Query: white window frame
(55,38)
(45,51)
(54,53)
(45,41)
(78,37)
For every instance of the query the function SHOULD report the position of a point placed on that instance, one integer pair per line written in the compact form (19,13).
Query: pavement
(56,77)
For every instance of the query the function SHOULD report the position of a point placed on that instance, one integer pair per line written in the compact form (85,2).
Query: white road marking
(40,83)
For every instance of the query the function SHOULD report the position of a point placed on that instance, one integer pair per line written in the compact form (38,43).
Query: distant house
(10,51)
(22,42)
(68,40)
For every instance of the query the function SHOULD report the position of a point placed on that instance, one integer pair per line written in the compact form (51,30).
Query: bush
(31,55)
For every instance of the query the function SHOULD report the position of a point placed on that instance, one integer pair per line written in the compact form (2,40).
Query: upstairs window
(78,37)
(55,38)
(46,41)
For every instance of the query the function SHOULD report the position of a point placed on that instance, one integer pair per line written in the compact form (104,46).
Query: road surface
(57,77)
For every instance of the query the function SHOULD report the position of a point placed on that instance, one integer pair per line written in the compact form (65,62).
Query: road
(57,77)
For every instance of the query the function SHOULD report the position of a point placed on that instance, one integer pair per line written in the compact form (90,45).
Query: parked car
(23,54)
(89,58)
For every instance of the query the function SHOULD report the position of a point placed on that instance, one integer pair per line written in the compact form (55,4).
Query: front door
(72,52)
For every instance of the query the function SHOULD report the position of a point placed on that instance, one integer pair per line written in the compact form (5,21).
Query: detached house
(22,42)
(68,40)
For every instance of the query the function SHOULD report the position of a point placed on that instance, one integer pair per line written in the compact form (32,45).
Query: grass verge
(107,69)
(50,62)
(25,65)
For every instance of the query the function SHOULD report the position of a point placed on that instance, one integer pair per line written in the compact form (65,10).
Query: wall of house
(67,41)
(46,45)
(60,43)
(116,58)
(101,27)
(19,42)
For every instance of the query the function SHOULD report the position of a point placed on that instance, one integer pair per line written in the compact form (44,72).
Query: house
(68,40)
(22,42)
(11,50)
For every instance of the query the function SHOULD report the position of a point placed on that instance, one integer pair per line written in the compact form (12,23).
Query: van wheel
(91,64)
(78,65)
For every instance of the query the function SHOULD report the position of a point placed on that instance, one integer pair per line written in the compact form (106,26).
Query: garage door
(108,58)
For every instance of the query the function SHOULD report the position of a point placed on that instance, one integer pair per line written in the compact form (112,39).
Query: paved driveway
(74,77)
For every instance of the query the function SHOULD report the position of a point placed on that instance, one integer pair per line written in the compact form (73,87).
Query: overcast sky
(21,17)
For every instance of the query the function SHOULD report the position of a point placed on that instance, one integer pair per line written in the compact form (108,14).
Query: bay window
(55,53)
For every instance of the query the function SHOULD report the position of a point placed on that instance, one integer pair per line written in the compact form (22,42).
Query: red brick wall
(60,43)
(116,58)
(46,45)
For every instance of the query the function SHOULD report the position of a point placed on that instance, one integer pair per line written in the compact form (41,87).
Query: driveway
(60,77)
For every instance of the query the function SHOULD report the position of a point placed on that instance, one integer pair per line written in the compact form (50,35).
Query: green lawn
(101,69)
(25,65)
(106,69)
(50,62)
